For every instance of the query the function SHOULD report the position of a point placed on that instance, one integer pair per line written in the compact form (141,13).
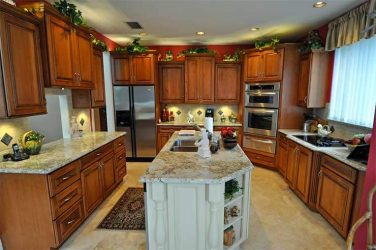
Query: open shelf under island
(185,202)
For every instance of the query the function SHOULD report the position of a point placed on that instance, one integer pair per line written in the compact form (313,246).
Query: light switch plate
(6,139)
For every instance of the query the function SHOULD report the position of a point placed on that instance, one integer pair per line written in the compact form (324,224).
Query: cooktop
(319,141)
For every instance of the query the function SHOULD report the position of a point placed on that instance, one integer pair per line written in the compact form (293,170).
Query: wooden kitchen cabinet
(199,79)
(336,194)
(164,133)
(95,98)
(21,80)
(171,82)
(92,187)
(133,69)
(262,66)
(313,79)
(67,49)
(109,175)
(227,83)
(298,171)
(282,152)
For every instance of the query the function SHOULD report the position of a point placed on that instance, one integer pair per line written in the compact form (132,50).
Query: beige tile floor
(279,220)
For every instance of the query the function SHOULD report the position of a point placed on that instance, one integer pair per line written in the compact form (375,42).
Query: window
(353,97)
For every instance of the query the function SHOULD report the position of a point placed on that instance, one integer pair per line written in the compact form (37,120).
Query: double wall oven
(261,116)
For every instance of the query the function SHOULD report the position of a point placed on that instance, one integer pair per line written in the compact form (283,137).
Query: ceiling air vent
(134,25)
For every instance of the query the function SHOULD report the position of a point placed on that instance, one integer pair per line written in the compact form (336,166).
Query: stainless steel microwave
(262,95)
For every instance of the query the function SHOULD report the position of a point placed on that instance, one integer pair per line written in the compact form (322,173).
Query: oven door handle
(262,141)
(262,111)
(260,93)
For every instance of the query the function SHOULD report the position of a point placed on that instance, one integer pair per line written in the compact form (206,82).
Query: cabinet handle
(67,199)
(305,99)
(120,157)
(64,178)
(119,144)
(79,77)
(320,173)
(98,154)
(71,221)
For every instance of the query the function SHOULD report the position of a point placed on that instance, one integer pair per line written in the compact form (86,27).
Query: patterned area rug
(128,213)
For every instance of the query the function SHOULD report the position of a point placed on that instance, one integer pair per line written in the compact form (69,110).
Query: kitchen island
(185,201)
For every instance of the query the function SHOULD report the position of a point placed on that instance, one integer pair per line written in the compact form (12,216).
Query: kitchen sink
(184,146)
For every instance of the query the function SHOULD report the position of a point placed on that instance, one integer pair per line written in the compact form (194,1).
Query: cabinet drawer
(69,221)
(120,173)
(66,198)
(120,159)
(119,144)
(339,168)
(62,178)
(282,137)
(96,155)
(261,159)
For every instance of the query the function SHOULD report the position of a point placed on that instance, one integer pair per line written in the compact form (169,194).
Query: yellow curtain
(350,27)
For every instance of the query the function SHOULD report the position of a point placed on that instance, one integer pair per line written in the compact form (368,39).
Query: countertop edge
(59,165)
(200,124)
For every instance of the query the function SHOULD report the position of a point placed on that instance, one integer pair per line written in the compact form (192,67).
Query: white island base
(190,216)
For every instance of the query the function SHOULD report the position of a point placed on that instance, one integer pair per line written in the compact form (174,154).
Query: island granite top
(57,154)
(188,167)
(337,153)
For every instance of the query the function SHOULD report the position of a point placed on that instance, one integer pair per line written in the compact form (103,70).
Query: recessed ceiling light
(200,33)
(319,4)
(142,33)
(255,29)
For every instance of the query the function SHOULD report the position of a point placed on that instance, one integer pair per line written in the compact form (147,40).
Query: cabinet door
(121,70)
(171,80)
(303,173)
(192,80)
(143,69)
(109,175)
(252,69)
(282,154)
(85,60)
(92,187)
(304,75)
(227,83)
(163,137)
(335,199)
(61,53)
(206,75)
(98,97)
(21,67)
(272,65)
(291,164)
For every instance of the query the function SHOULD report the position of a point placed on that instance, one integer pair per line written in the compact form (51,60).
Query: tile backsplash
(198,111)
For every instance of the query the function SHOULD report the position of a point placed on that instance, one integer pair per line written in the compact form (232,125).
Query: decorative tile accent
(199,112)
(82,121)
(220,112)
(6,139)
(178,112)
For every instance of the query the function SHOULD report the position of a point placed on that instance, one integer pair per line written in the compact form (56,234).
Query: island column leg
(215,197)
(159,197)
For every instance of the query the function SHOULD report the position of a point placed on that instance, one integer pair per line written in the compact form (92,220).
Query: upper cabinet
(171,82)
(227,83)
(67,49)
(21,73)
(96,97)
(133,69)
(263,66)
(313,79)
(199,79)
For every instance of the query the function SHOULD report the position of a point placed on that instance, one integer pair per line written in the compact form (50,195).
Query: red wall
(220,49)
(370,181)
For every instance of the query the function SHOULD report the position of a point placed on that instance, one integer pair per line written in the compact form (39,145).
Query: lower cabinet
(335,197)
(164,133)
(298,170)
(51,207)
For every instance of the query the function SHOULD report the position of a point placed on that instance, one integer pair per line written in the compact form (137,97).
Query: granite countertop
(338,153)
(59,153)
(189,167)
(216,124)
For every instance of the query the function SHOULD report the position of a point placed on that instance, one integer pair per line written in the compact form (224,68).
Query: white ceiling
(175,22)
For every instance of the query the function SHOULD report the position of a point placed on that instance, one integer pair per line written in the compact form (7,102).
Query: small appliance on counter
(209,120)
(360,154)
(17,154)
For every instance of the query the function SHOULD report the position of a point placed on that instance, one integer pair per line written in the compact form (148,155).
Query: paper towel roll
(209,124)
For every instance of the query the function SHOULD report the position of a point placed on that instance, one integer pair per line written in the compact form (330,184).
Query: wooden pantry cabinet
(171,82)
(40,211)
(263,66)
(227,83)
(133,69)
(95,98)
(313,79)
(199,79)
(21,81)
(67,49)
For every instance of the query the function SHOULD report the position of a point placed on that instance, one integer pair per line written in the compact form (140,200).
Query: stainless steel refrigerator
(135,114)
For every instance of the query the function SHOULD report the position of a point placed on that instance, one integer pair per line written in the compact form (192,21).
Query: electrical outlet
(6,139)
